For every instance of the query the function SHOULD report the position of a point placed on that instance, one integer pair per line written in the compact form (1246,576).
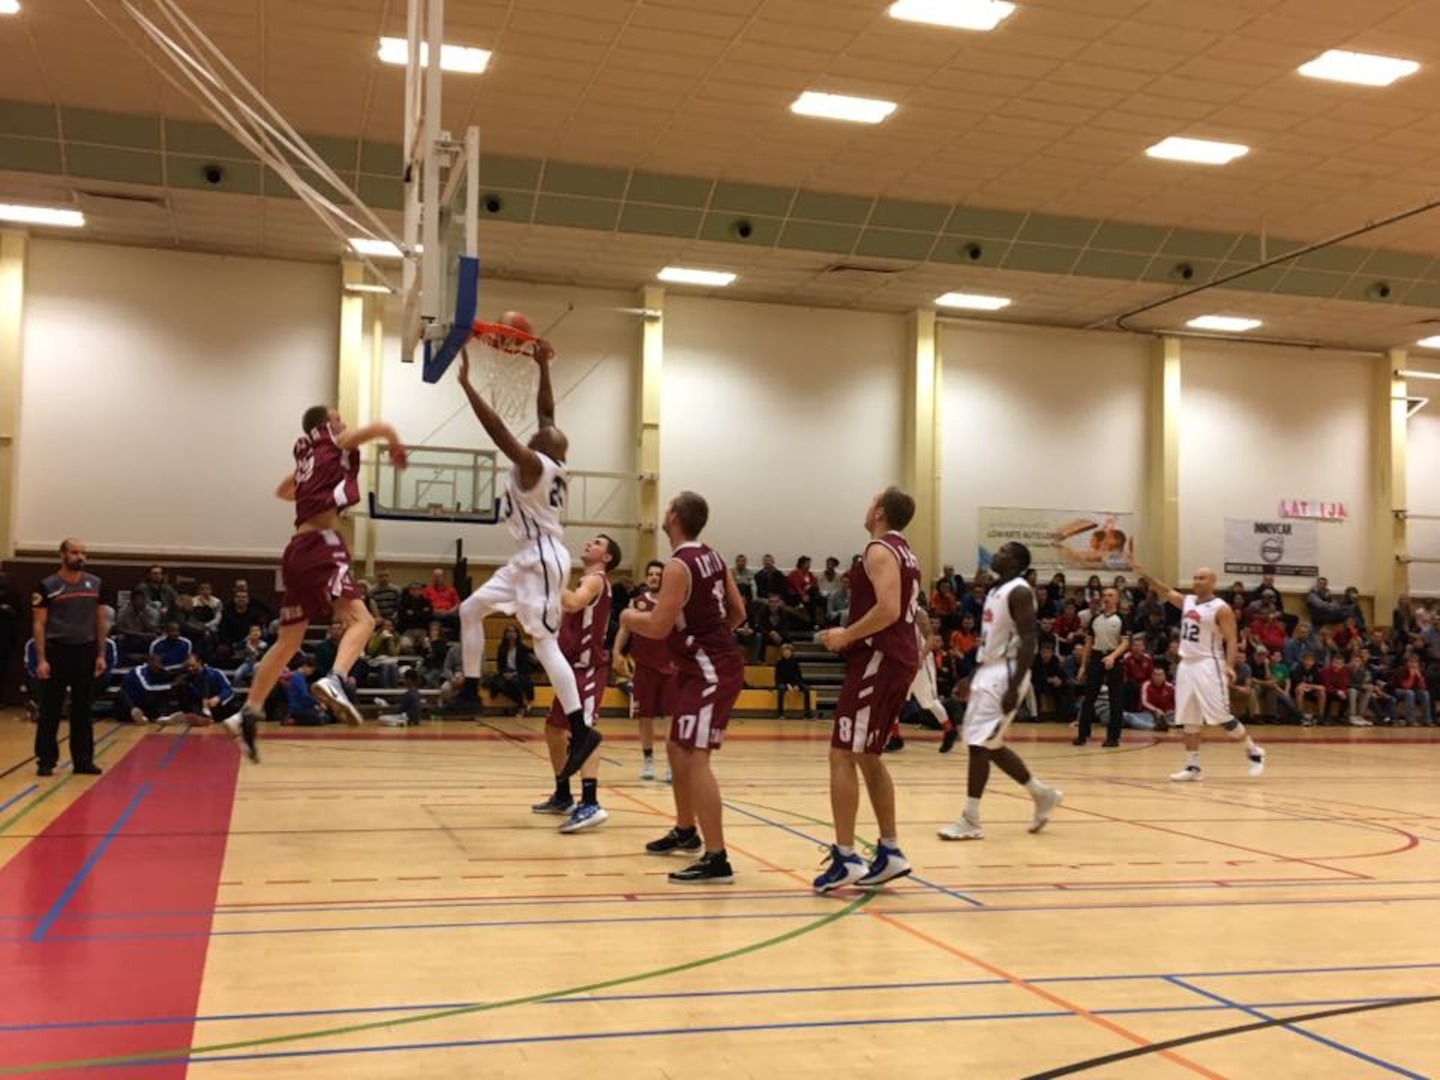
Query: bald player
(1208,652)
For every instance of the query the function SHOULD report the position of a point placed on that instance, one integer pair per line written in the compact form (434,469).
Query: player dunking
(653,681)
(1208,651)
(529,585)
(582,640)
(1006,654)
(698,608)
(315,568)
(882,654)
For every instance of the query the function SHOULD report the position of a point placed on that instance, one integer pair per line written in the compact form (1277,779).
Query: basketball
(519,321)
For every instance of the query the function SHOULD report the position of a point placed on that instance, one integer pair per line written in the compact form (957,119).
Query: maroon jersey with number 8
(897,640)
(702,632)
(326,476)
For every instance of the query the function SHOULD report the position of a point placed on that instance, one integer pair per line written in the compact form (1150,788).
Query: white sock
(846,850)
(972,808)
(1192,759)
(890,841)
(1035,787)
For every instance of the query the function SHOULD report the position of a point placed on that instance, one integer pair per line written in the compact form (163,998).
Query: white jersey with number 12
(1200,636)
(535,512)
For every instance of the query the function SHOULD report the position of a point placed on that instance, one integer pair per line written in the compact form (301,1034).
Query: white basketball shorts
(529,586)
(1201,694)
(985,721)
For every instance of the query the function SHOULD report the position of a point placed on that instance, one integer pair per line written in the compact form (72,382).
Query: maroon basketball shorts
(875,689)
(591,683)
(316,571)
(651,692)
(705,692)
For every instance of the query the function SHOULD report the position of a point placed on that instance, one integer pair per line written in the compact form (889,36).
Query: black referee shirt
(71,607)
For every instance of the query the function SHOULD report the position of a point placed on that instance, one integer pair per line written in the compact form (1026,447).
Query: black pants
(72,667)
(780,689)
(1113,679)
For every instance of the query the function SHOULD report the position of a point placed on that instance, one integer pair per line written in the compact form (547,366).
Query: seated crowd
(189,654)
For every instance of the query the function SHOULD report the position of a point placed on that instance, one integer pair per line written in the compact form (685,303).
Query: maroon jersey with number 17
(327,477)
(702,633)
(897,640)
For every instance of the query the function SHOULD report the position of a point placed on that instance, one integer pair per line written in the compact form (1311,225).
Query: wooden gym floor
(383,904)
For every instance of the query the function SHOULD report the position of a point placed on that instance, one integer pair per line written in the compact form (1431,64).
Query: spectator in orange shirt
(444,600)
(944,605)
(964,639)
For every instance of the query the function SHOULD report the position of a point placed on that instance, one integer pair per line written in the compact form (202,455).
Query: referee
(69,655)
(1108,645)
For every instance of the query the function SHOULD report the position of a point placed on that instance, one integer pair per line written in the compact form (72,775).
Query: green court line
(13,818)
(187,1052)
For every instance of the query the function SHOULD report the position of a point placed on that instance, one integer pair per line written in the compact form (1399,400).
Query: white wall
(162,392)
(1423,480)
(1049,419)
(1264,424)
(597,346)
(786,419)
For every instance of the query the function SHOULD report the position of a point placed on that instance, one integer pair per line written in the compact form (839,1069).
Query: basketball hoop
(504,367)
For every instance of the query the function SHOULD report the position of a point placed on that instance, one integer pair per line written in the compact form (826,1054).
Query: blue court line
(716,1029)
(48,920)
(1252,1010)
(821,843)
(16,798)
(719,917)
(179,742)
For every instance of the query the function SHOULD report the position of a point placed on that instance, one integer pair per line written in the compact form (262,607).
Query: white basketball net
(507,379)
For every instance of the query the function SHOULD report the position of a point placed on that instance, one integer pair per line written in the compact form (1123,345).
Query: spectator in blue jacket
(304,709)
(145,691)
(172,649)
(202,690)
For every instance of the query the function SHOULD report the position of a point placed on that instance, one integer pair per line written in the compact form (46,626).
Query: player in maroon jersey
(653,681)
(583,625)
(316,565)
(697,609)
(882,655)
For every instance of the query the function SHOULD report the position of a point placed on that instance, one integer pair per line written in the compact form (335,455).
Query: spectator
(973,603)
(1308,687)
(744,578)
(1156,633)
(415,617)
(205,691)
(444,599)
(136,626)
(1093,591)
(1110,641)
(513,665)
(328,649)
(1359,691)
(1348,634)
(1157,697)
(1352,601)
(1172,656)
(382,654)
(1412,696)
(452,676)
(384,596)
(248,654)
(1067,629)
(769,581)
(771,626)
(1048,678)
(1402,620)
(1322,606)
(1138,665)
(1267,629)
(432,657)
(1057,586)
(1047,605)
(957,581)
(964,638)
(159,592)
(1296,645)
(207,609)
(1244,697)
(409,709)
(1335,677)
(173,649)
(837,607)
(830,578)
(1271,678)
(1267,592)
(240,614)
(303,709)
(788,676)
(803,590)
(193,625)
(145,691)
(944,604)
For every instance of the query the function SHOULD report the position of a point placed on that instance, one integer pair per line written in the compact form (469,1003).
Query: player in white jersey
(1006,654)
(529,586)
(925,689)
(1208,652)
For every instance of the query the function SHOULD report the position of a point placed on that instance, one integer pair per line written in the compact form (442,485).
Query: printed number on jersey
(1190,631)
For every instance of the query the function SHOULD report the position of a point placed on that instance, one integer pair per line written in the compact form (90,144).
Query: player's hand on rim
(543,351)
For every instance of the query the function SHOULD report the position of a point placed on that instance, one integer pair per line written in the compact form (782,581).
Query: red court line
(55,980)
